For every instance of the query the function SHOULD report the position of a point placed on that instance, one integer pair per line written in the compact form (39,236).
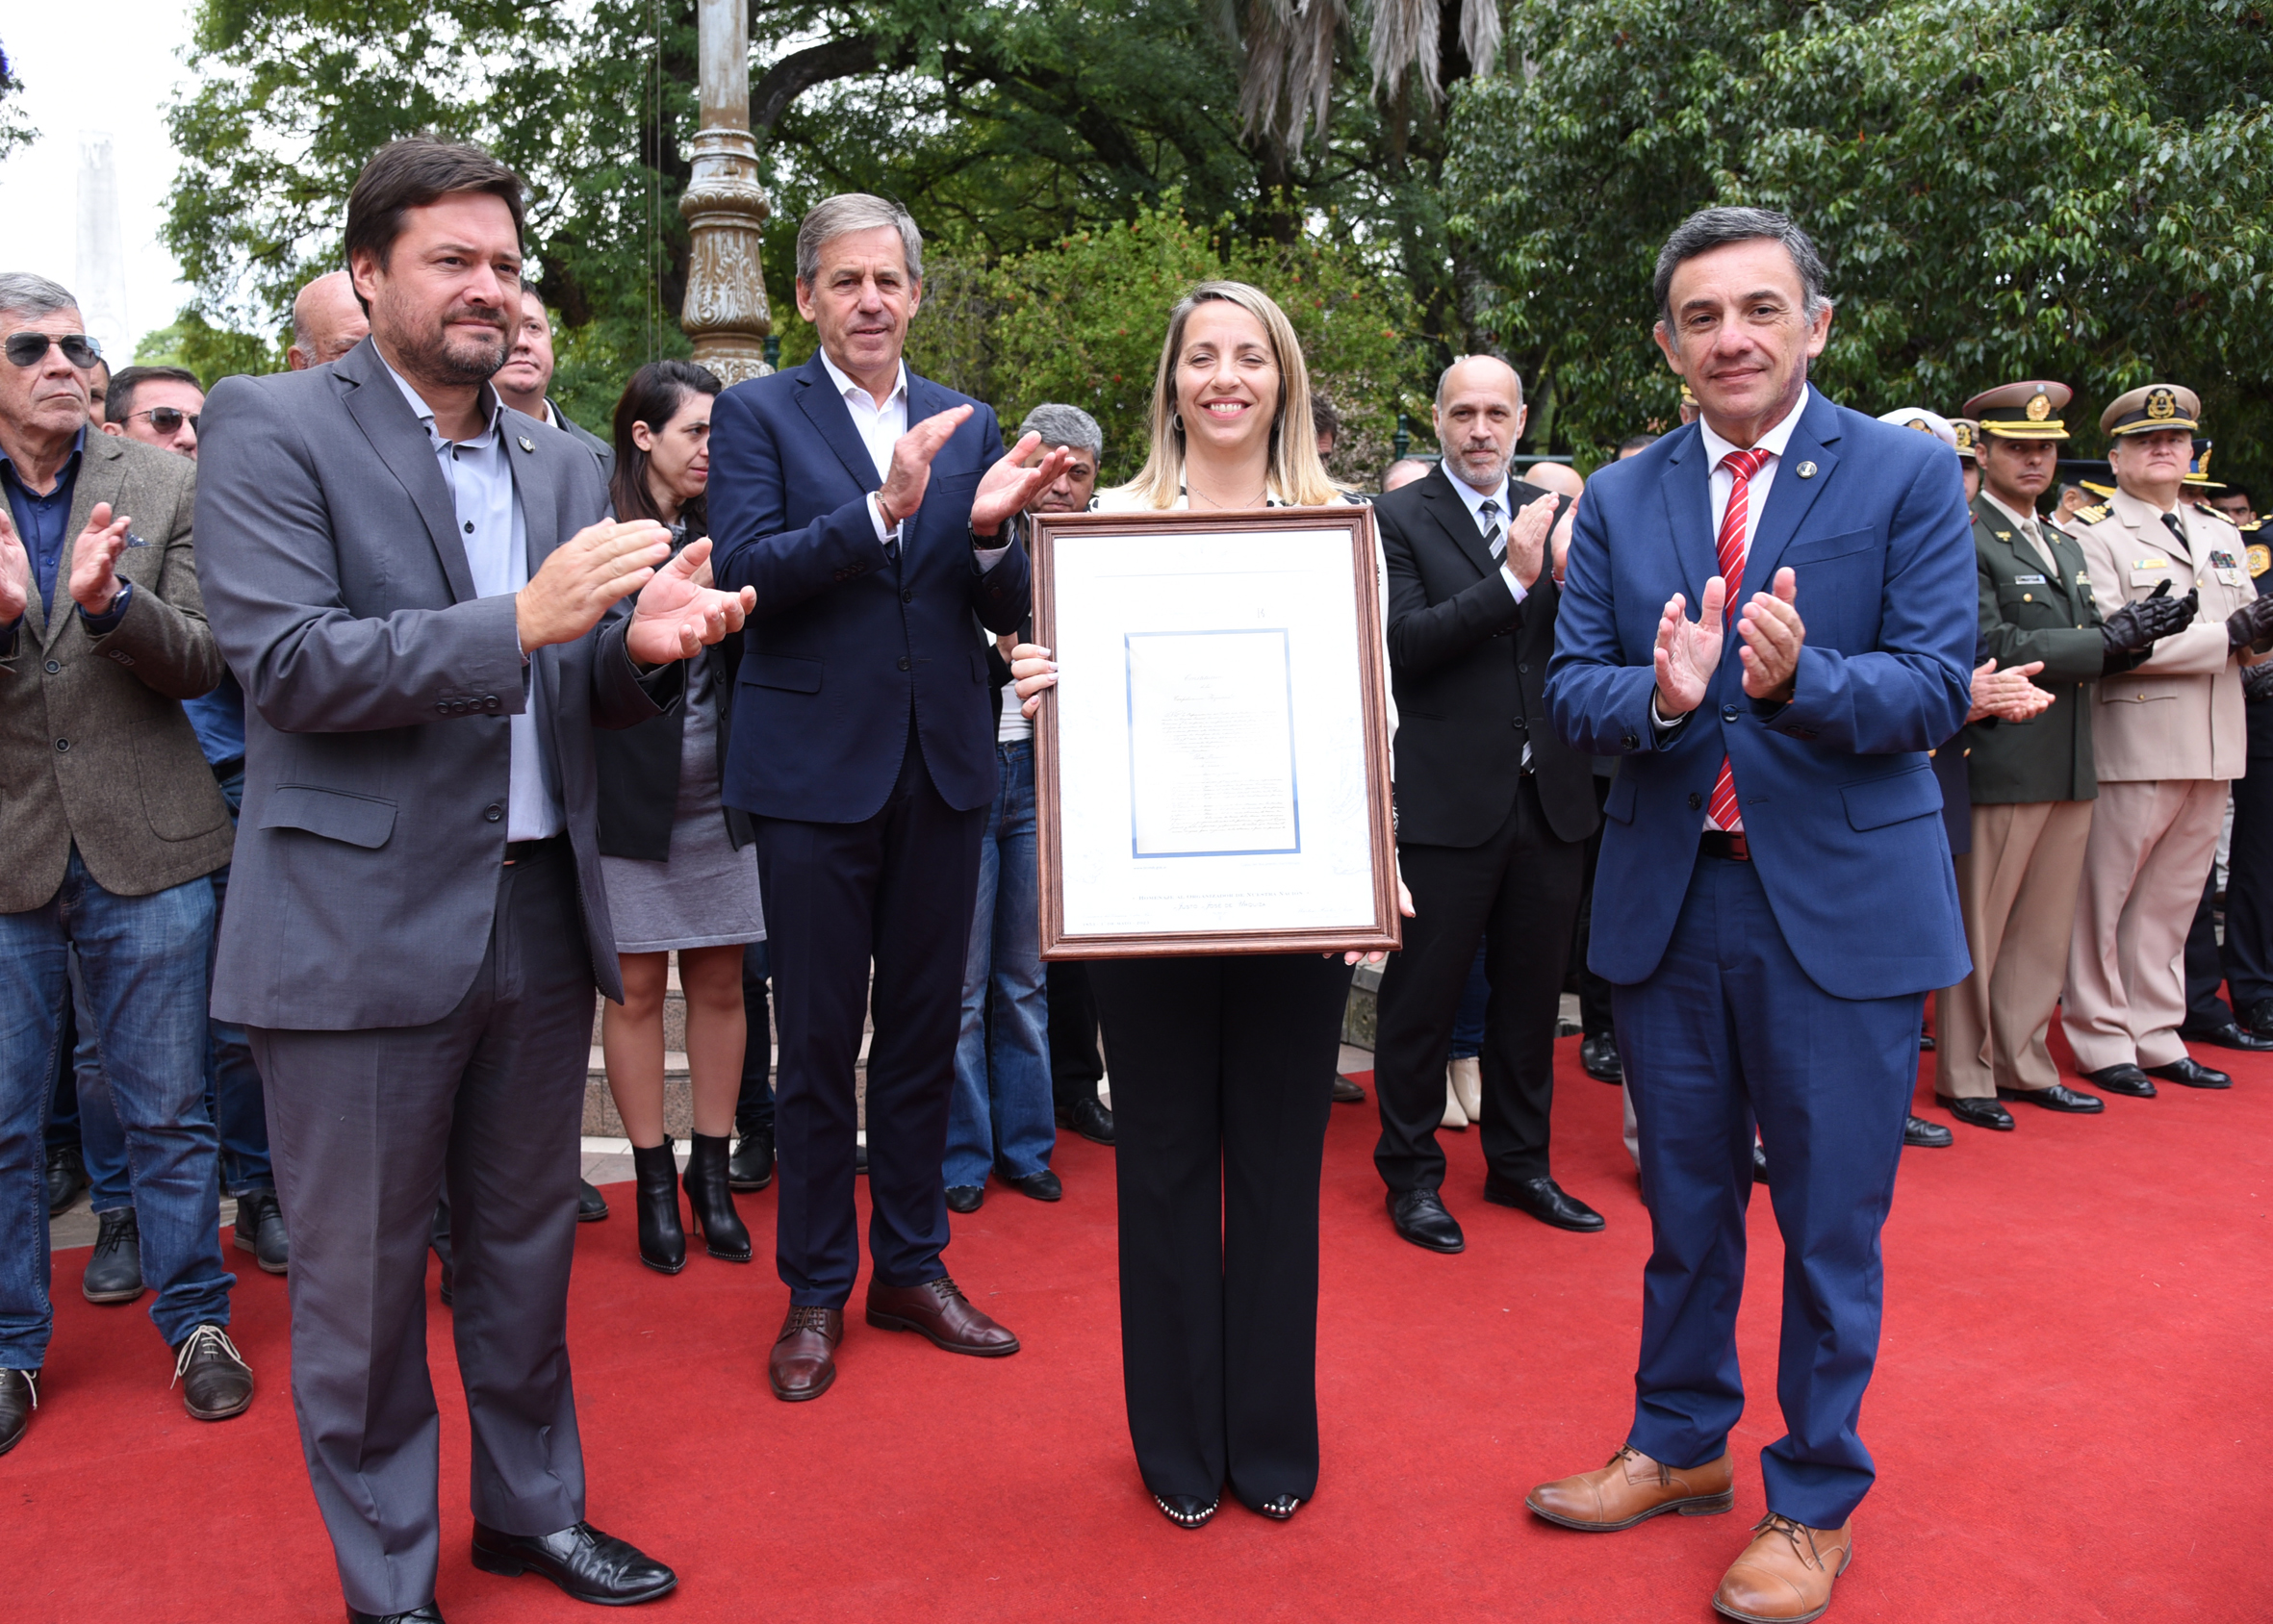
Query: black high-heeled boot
(662,1243)
(711,1200)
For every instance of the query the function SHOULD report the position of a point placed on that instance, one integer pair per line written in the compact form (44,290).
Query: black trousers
(2245,963)
(753,1106)
(1220,1128)
(1076,1066)
(899,889)
(365,1128)
(1518,892)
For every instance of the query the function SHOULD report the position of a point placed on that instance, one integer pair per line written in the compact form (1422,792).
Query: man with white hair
(326,323)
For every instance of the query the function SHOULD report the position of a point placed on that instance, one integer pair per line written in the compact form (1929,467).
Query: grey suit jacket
(377,688)
(601,449)
(93,745)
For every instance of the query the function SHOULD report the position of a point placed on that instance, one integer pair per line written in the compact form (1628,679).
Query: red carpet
(2068,1416)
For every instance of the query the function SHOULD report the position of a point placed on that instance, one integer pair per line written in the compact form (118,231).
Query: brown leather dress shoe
(1633,1489)
(938,1309)
(1785,1574)
(804,1359)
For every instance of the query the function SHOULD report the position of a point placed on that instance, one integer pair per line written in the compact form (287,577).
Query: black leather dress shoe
(2059,1097)
(2126,1078)
(260,1231)
(1597,1057)
(1977,1113)
(1928,1135)
(2190,1073)
(590,1565)
(2259,1017)
(1760,1164)
(1089,1118)
(1044,1185)
(115,1272)
(590,1205)
(1419,1217)
(1545,1200)
(1926,1044)
(217,1383)
(19,1396)
(427,1614)
(1186,1511)
(965,1198)
(1279,1507)
(752,1165)
(2231,1035)
(66,1176)
(1347,1092)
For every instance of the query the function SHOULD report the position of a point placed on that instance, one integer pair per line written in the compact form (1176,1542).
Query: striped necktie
(1494,537)
(1723,809)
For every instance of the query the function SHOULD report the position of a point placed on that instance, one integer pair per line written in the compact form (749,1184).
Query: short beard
(429,355)
(1498,470)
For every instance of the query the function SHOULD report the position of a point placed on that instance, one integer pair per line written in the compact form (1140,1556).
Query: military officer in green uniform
(2032,782)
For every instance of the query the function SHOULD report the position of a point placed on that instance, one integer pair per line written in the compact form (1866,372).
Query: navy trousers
(1729,1032)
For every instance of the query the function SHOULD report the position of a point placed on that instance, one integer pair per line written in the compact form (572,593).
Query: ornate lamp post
(726,313)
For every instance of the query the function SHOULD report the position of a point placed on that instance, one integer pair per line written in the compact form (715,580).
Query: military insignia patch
(2039,407)
(2161,404)
(2260,558)
(1964,434)
(2221,560)
(2092,515)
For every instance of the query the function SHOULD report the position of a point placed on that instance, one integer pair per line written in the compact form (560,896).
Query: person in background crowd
(1968,433)
(875,514)
(1221,1124)
(523,383)
(327,322)
(1744,951)
(2031,788)
(680,870)
(430,615)
(2071,500)
(2234,503)
(1634,444)
(158,406)
(105,779)
(1326,420)
(1403,472)
(1559,477)
(1004,1115)
(2169,736)
(1492,821)
(2243,965)
(98,390)
(1689,407)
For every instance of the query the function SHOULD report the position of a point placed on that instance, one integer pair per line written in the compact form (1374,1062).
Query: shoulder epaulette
(2094,514)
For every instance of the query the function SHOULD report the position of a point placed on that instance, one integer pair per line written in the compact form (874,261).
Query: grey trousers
(364,1128)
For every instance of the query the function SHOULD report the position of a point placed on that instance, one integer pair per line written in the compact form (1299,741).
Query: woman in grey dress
(681,873)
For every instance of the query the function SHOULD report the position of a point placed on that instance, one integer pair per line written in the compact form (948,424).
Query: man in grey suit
(411,582)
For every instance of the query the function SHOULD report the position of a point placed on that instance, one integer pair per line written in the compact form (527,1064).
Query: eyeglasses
(166,420)
(25,349)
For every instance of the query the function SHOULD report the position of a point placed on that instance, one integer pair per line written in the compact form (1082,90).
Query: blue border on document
(1294,774)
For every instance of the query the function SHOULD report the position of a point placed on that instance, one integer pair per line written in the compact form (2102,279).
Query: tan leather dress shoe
(1633,1489)
(1785,1574)
(939,1310)
(803,1360)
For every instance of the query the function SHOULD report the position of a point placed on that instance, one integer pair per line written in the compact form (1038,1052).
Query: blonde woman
(1219,1063)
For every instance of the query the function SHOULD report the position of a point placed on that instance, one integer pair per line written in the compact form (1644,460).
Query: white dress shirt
(495,535)
(1475,500)
(1723,477)
(880,427)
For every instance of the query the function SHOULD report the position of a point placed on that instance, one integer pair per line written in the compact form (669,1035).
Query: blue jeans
(1002,1112)
(144,962)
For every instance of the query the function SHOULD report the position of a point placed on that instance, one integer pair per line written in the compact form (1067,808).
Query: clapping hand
(1009,486)
(2008,696)
(581,579)
(1773,635)
(676,616)
(94,560)
(1527,531)
(1688,652)
(15,572)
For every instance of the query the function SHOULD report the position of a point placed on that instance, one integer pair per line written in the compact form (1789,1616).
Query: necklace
(1261,498)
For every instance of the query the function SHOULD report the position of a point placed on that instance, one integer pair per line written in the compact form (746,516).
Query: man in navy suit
(874,512)
(1774,898)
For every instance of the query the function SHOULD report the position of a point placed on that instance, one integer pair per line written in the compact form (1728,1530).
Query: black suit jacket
(1468,667)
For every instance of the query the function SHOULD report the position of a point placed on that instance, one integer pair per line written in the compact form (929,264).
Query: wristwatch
(1002,538)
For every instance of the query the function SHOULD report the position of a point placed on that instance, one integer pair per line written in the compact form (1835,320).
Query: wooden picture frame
(1262,587)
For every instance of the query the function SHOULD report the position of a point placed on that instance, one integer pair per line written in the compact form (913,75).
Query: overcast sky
(90,71)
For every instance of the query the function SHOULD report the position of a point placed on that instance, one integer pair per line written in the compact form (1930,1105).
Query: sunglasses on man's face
(166,420)
(26,350)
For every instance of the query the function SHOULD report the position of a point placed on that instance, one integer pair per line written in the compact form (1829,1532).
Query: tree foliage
(15,130)
(212,353)
(2078,191)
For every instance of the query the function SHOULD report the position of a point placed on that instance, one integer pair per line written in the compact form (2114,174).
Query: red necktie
(1742,465)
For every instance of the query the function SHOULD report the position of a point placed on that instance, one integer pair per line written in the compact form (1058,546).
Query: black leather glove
(2131,632)
(2257,682)
(2251,626)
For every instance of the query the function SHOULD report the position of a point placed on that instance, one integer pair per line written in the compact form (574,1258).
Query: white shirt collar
(845,385)
(1772,441)
(2022,519)
(426,412)
(1474,498)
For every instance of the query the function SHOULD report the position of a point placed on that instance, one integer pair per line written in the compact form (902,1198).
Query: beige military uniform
(2168,737)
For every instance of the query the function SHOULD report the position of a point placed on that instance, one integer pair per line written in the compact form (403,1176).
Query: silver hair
(1064,425)
(21,293)
(1446,376)
(1716,228)
(855,211)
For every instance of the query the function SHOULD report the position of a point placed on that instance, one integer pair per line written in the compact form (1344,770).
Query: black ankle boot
(662,1243)
(713,1202)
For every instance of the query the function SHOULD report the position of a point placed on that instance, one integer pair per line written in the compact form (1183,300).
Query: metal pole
(726,313)
(1403,441)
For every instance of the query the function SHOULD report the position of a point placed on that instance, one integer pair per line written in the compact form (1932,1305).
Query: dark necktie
(1494,537)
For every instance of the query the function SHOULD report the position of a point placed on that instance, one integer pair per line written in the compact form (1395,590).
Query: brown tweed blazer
(94,747)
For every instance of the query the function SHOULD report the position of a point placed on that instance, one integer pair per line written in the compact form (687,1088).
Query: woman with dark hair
(681,873)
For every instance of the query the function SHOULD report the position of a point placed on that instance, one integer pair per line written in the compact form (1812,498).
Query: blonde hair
(1297,476)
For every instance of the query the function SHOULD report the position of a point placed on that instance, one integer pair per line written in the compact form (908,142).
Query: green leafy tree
(2076,191)
(212,353)
(15,130)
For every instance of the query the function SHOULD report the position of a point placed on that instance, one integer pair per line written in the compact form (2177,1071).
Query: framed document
(1211,772)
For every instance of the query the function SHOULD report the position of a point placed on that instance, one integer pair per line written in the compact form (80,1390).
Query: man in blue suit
(873,513)
(1774,897)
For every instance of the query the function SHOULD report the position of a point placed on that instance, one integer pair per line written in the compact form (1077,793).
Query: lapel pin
(1806,470)
(527,443)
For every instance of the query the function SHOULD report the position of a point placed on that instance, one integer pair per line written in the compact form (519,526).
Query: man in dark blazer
(1492,810)
(873,511)
(415,585)
(1774,898)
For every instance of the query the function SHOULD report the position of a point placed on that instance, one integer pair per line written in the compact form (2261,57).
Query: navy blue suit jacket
(1841,810)
(845,642)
